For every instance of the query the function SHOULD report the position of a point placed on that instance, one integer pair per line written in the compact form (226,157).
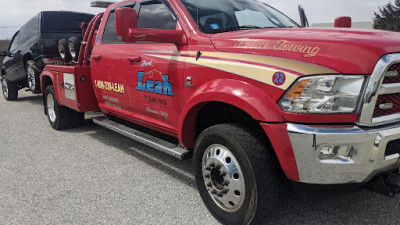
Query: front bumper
(342,154)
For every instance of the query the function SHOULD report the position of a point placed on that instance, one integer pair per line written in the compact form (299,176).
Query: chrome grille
(393,69)
(387,105)
(381,101)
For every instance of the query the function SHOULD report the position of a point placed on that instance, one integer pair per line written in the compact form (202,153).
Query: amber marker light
(297,90)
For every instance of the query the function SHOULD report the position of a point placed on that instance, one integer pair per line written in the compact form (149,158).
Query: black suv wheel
(33,73)
(9,89)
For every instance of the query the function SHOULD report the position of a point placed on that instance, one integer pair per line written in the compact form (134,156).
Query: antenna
(198,55)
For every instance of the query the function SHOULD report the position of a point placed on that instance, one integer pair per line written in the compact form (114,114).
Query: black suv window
(109,35)
(64,22)
(156,15)
(14,42)
(30,29)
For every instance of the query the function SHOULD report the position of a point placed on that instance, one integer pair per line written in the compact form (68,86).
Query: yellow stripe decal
(298,66)
(294,65)
(255,72)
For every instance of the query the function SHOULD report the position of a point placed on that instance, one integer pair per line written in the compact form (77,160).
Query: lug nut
(208,168)
(212,164)
(225,191)
(207,175)
(223,173)
(218,166)
(209,184)
(213,192)
(220,194)
(226,183)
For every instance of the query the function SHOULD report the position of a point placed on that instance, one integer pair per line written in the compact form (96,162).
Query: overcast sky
(14,13)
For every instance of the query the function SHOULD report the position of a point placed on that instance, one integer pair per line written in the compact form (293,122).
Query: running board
(146,139)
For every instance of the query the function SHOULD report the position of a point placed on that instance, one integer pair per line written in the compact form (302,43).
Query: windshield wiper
(247,27)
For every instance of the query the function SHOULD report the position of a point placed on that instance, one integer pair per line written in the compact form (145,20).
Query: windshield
(216,16)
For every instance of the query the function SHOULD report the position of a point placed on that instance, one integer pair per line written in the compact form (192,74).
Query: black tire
(9,89)
(60,117)
(63,50)
(33,77)
(78,118)
(255,182)
(74,45)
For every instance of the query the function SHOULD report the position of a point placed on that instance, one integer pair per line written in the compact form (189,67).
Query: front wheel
(9,89)
(235,175)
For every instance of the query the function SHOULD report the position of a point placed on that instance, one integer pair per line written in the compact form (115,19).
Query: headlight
(323,94)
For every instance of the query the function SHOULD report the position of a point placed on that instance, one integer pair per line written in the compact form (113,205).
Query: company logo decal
(281,45)
(145,63)
(148,83)
(279,78)
(109,86)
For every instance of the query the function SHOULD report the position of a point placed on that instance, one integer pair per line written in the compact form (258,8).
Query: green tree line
(388,17)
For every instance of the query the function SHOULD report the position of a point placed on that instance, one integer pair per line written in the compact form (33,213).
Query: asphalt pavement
(90,175)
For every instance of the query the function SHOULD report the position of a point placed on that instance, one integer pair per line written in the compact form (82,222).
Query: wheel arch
(46,79)
(27,56)
(240,98)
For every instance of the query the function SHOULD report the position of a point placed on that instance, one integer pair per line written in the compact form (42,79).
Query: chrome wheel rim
(4,87)
(223,177)
(50,108)
(31,78)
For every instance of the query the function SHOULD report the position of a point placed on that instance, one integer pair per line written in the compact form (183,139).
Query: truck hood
(347,51)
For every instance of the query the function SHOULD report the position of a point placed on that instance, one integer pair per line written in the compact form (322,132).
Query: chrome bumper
(342,154)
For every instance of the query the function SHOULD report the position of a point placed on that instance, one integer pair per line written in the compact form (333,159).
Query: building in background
(363,25)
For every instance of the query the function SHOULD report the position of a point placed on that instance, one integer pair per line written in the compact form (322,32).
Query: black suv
(34,46)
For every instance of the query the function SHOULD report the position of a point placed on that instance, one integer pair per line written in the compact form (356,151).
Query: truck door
(151,79)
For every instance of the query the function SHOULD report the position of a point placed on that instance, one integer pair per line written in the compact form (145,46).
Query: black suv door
(14,65)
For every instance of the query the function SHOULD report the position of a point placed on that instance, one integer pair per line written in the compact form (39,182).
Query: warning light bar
(101,4)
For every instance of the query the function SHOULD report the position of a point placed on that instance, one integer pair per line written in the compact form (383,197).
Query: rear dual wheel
(60,117)
(235,174)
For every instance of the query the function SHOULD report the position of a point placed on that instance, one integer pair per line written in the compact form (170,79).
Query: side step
(146,139)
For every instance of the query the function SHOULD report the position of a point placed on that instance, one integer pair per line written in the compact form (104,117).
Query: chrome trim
(223,178)
(367,156)
(151,141)
(374,89)
(389,89)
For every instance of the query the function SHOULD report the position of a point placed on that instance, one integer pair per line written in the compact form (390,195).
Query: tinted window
(64,22)
(15,42)
(30,29)
(156,15)
(109,35)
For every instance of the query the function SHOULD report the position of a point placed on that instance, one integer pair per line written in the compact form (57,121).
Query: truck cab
(251,95)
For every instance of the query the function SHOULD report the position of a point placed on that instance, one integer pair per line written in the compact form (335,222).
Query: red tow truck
(245,91)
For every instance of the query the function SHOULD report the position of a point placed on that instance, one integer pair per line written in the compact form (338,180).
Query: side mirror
(125,19)
(343,21)
(303,17)
(126,27)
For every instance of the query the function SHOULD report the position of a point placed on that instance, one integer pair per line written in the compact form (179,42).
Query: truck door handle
(134,59)
(96,57)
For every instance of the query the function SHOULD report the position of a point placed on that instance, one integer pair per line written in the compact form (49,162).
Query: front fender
(237,93)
